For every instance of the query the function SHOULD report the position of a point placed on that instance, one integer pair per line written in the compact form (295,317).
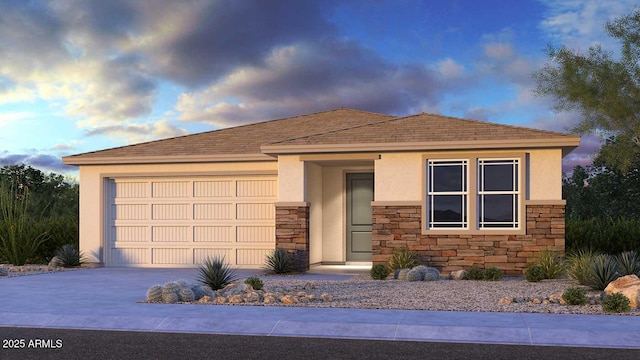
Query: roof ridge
(223,129)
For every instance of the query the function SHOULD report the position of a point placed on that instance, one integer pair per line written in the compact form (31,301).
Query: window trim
(515,194)
(472,190)
(464,193)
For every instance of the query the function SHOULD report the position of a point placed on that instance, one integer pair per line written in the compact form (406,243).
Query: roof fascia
(118,160)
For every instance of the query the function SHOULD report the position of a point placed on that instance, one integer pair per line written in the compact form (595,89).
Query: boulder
(628,286)
(288,300)
(235,299)
(237,288)
(458,274)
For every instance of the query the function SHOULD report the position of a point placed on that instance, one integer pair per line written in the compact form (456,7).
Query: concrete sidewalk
(106,298)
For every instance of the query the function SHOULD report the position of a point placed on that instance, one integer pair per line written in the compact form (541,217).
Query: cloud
(71,145)
(132,133)
(46,162)
(449,69)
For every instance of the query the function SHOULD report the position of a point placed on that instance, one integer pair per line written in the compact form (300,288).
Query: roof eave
(117,160)
(567,143)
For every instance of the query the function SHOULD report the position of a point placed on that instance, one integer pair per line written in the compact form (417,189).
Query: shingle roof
(245,139)
(423,128)
(340,130)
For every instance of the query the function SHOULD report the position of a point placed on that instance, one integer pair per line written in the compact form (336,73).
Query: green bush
(615,303)
(609,235)
(255,282)
(580,265)
(68,256)
(215,273)
(403,259)
(552,264)
(279,261)
(604,269)
(379,272)
(492,274)
(475,273)
(628,263)
(534,273)
(575,296)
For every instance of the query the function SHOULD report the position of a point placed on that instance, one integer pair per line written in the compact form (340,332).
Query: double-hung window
(447,194)
(498,193)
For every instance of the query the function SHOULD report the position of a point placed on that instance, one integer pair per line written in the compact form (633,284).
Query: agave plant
(68,256)
(403,259)
(279,261)
(628,263)
(216,273)
(604,269)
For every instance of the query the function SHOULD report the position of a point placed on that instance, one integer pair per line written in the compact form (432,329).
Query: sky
(85,75)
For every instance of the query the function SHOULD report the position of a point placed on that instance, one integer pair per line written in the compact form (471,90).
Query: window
(498,193)
(447,195)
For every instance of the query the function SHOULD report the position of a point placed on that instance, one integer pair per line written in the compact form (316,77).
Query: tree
(603,89)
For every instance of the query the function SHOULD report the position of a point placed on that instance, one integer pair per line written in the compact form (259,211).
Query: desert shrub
(414,275)
(603,270)
(606,235)
(215,273)
(279,261)
(379,272)
(534,273)
(154,294)
(492,274)
(575,296)
(552,264)
(475,273)
(68,256)
(616,302)
(403,259)
(628,263)
(255,282)
(579,265)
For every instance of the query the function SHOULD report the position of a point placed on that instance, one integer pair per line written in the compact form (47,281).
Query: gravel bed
(31,269)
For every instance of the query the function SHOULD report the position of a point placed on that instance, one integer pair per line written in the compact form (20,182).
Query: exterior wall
(398,177)
(395,227)
(292,233)
(92,198)
(314,198)
(545,169)
(291,179)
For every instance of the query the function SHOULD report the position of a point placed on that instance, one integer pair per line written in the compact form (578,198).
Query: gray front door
(359,198)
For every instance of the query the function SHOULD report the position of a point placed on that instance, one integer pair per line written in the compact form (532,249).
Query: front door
(359,198)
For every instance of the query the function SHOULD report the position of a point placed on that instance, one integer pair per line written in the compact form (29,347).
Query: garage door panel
(170,189)
(261,234)
(179,221)
(170,233)
(170,256)
(213,233)
(170,212)
(215,189)
(251,256)
(255,211)
(215,211)
(127,256)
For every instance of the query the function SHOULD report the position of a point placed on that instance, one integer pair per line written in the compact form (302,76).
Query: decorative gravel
(31,269)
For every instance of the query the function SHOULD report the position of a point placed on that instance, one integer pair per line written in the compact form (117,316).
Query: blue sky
(84,75)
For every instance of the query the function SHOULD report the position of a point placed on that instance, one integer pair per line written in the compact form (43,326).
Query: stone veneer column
(292,233)
(395,227)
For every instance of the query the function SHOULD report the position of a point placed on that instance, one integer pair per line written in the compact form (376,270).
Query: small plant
(475,273)
(186,295)
(279,261)
(615,303)
(428,273)
(603,270)
(403,259)
(492,274)
(216,273)
(68,256)
(255,282)
(379,272)
(552,264)
(154,294)
(580,265)
(628,263)
(414,275)
(534,273)
(575,296)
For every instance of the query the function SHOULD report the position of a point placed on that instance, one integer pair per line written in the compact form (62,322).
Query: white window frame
(515,193)
(431,195)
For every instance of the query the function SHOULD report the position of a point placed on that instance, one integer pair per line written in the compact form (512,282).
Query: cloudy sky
(83,75)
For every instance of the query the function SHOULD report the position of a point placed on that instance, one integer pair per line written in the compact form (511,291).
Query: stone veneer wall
(395,227)
(292,233)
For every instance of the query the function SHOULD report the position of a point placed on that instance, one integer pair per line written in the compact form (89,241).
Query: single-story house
(334,187)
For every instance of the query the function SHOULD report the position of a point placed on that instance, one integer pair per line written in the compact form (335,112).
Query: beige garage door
(178,222)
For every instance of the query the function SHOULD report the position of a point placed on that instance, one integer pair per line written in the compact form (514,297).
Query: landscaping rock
(326,297)
(55,262)
(236,288)
(4,272)
(205,299)
(288,300)
(235,299)
(458,275)
(505,301)
(628,286)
